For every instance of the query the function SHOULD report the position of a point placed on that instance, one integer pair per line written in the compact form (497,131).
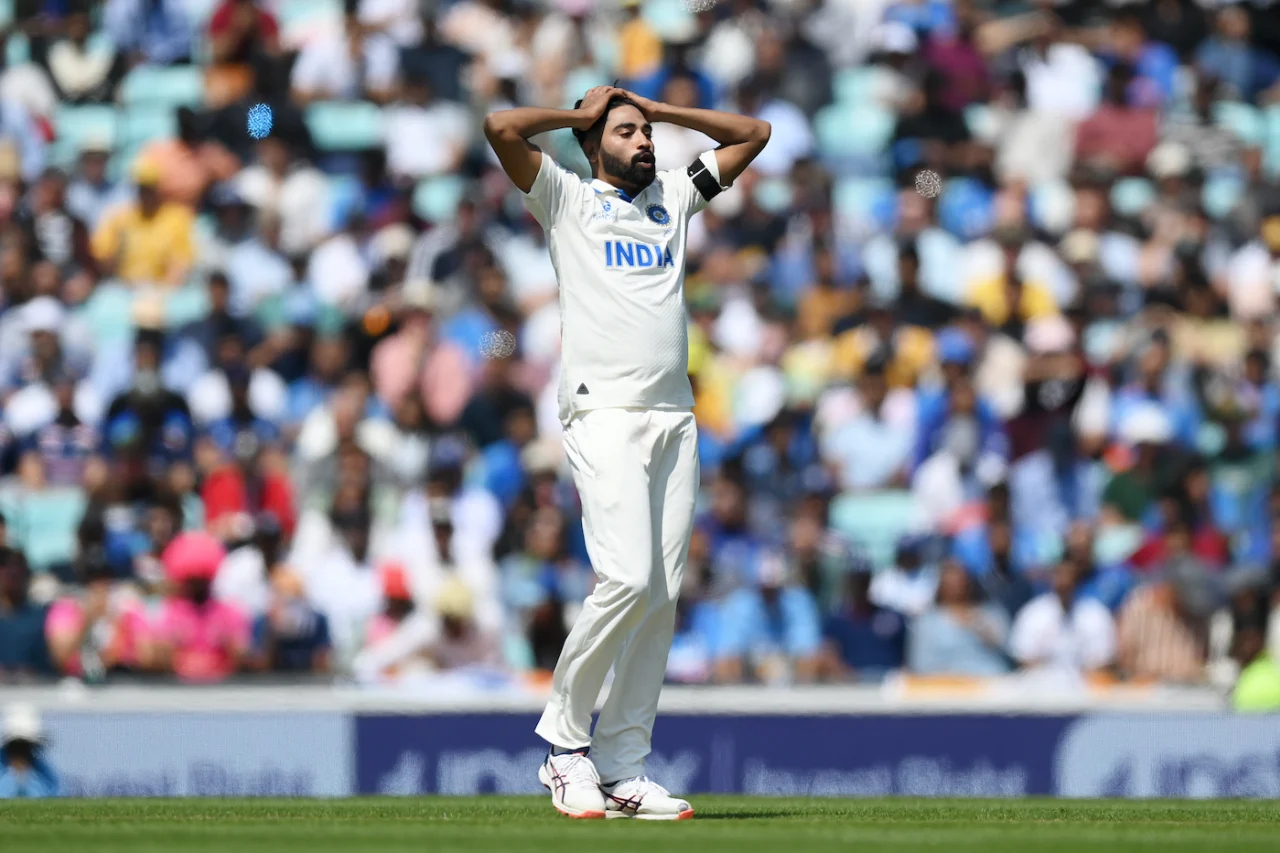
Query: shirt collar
(604,187)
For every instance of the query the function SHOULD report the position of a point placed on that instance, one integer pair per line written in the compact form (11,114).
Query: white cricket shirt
(620,265)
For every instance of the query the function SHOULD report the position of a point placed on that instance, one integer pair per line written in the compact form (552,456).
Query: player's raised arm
(741,138)
(508,131)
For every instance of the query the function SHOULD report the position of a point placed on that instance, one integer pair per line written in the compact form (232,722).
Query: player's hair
(595,133)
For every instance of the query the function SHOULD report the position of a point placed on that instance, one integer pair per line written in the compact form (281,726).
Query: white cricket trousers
(637,474)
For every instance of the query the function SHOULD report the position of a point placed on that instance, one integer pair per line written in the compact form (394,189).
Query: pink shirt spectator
(380,627)
(206,641)
(443,373)
(117,638)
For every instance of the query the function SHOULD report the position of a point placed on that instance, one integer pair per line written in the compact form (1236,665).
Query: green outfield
(722,824)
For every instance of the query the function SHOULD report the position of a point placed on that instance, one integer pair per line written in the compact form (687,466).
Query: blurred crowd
(261,410)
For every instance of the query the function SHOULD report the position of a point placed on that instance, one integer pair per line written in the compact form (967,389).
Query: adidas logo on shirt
(618,253)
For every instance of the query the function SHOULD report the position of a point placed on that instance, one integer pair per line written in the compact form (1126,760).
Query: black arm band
(705,182)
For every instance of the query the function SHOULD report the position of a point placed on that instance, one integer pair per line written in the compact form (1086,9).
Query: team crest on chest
(657,213)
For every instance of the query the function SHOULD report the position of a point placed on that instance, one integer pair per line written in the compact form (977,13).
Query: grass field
(722,824)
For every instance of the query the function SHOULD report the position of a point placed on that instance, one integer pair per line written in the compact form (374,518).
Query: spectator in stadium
(148,422)
(257,268)
(67,442)
(416,359)
(1063,633)
(910,586)
(395,640)
(346,65)
(149,31)
(864,642)
(243,37)
(957,635)
(81,71)
(98,630)
(959,452)
(792,137)
(539,582)
(1163,626)
(24,655)
(928,133)
(291,636)
(91,191)
(1132,493)
(147,242)
(242,430)
(55,233)
(821,557)
(282,183)
(1119,136)
(1247,271)
(25,771)
(1257,688)
(462,642)
(1229,55)
(872,448)
(1009,300)
(42,360)
(244,578)
(195,636)
(189,163)
(44,518)
(331,551)
(475,572)
(770,631)
(426,135)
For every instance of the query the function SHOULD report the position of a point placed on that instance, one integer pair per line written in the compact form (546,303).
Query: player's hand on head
(647,106)
(596,100)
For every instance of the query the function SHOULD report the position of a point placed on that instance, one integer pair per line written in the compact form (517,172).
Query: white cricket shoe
(574,785)
(643,799)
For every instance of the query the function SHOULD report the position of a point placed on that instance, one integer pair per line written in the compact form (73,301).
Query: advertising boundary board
(294,753)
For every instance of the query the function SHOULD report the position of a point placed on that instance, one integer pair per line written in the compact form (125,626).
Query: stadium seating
(174,86)
(337,126)
(875,521)
(77,125)
(436,199)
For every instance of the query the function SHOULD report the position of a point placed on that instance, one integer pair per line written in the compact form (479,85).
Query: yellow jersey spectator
(1008,297)
(148,241)
(640,48)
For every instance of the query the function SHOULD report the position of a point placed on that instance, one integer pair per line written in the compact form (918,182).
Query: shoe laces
(647,785)
(577,768)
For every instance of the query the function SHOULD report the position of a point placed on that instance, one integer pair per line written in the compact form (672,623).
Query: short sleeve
(692,199)
(551,192)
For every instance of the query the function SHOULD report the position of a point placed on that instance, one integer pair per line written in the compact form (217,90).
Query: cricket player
(618,245)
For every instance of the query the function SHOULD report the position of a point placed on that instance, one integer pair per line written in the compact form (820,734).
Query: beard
(638,173)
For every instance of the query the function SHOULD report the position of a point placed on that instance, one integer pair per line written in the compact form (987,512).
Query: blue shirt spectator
(1228,55)
(295,642)
(25,773)
(23,651)
(868,640)
(873,447)
(958,636)
(158,30)
(768,622)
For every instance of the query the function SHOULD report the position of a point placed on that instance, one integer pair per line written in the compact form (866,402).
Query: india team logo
(658,214)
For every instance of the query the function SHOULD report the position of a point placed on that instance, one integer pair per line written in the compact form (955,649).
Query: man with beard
(618,245)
